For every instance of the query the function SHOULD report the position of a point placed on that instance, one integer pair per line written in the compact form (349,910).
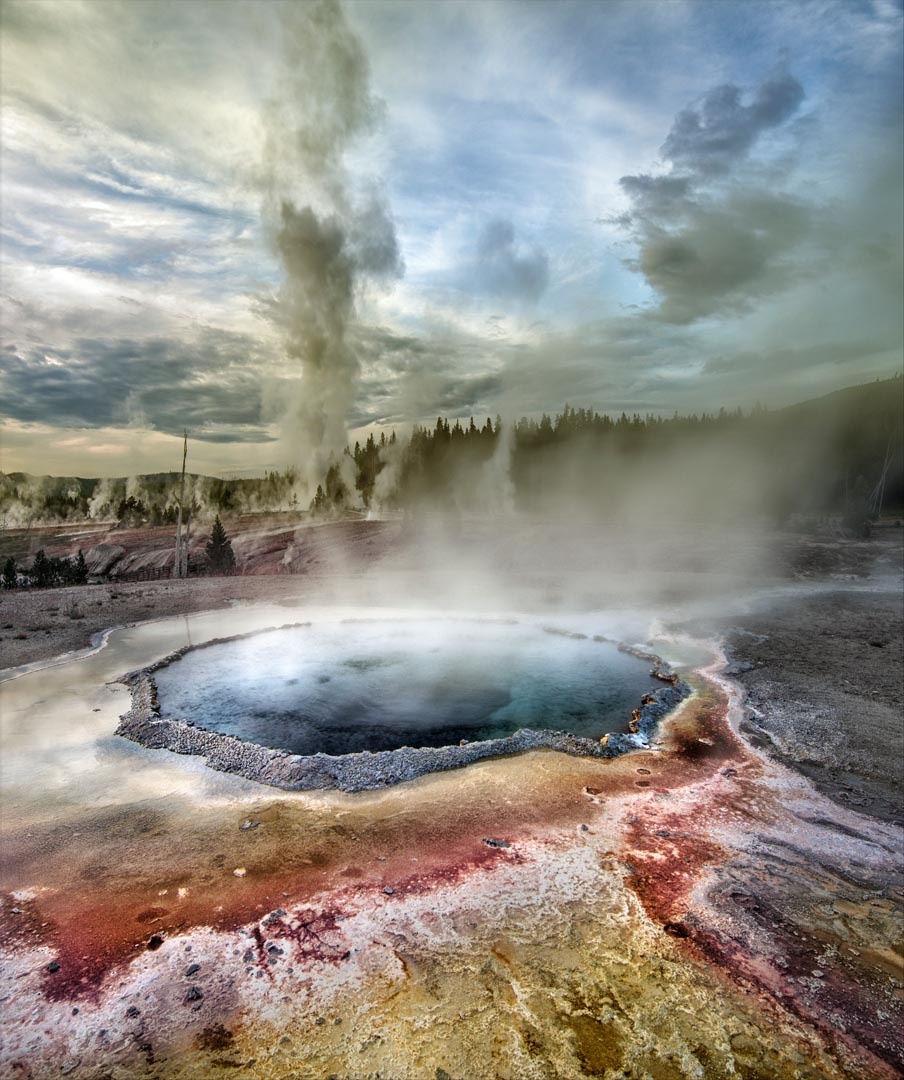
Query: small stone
(75,1012)
(490,842)
(154,942)
(585,828)
(388,889)
(249,824)
(132,1012)
(194,994)
(192,969)
(239,871)
(320,1021)
(53,966)
(338,1020)
(16,911)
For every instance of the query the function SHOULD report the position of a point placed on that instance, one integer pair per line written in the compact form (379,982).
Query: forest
(836,456)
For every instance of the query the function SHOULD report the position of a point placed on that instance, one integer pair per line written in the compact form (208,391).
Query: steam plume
(334,236)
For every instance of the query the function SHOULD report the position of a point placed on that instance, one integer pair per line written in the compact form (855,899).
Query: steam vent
(363,703)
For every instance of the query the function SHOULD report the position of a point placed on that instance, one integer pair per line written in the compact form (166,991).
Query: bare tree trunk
(180,563)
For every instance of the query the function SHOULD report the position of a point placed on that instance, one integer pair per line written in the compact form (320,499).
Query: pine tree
(79,571)
(219,550)
(41,571)
(10,580)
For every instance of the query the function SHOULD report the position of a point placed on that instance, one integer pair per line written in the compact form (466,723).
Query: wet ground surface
(808,662)
(694,910)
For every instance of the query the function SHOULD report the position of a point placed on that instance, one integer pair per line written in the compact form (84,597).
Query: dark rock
(154,942)
(194,994)
(192,969)
(490,842)
(676,929)
(388,889)
(132,1011)
(53,966)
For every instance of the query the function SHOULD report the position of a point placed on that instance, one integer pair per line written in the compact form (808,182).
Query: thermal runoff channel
(380,685)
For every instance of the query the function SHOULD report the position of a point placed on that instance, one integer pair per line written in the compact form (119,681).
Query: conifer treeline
(819,457)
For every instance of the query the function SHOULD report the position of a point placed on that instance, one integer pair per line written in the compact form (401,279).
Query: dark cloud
(206,386)
(711,137)
(723,256)
(710,236)
(656,195)
(507,270)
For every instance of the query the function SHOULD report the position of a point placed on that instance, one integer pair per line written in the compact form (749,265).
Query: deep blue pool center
(380,684)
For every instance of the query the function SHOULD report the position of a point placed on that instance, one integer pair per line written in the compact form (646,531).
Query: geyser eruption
(334,237)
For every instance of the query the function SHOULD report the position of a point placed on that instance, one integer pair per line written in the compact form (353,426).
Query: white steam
(334,237)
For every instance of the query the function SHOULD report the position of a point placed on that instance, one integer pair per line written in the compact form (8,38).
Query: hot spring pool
(339,688)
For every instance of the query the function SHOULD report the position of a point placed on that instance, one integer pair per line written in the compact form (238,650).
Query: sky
(281,225)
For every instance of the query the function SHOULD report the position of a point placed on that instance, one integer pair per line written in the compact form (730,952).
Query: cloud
(757,228)
(724,255)
(207,385)
(506,269)
(712,236)
(656,196)
(708,139)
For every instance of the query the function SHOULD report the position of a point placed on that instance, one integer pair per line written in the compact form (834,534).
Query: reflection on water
(345,687)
